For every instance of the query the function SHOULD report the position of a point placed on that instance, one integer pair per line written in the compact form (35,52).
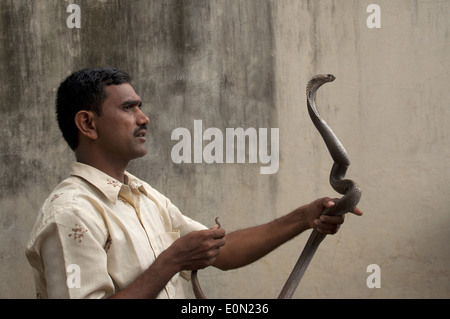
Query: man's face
(122,127)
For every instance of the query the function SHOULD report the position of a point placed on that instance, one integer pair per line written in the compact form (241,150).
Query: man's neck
(113,169)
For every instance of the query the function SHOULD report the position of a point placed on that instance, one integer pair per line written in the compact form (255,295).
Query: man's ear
(85,122)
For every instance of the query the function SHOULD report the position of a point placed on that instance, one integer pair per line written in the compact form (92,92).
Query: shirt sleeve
(74,261)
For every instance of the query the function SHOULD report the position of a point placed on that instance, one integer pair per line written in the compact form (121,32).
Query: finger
(217,233)
(357,211)
(326,228)
(329,230)
(332,220)
(328,202)
(214,232)
(329,224)
(217,238)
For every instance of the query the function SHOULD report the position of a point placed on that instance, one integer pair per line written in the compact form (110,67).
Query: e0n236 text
(246,308)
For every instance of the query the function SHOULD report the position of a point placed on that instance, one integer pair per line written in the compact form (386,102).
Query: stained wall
(245,64)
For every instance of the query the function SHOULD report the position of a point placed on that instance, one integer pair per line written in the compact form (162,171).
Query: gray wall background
(245,64)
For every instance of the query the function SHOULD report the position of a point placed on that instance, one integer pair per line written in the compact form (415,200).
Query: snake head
(318,80)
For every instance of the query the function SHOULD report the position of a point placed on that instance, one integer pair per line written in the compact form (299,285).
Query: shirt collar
(108,185)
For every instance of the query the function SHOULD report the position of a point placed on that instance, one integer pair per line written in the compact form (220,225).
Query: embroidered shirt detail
(78,233)
(113,182)
(55,197)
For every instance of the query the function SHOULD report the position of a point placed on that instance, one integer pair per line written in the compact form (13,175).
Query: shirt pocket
(168,238)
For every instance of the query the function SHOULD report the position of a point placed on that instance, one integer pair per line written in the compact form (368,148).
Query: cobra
(349,189)
(346,187)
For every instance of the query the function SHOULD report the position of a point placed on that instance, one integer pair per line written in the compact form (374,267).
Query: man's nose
(142,118)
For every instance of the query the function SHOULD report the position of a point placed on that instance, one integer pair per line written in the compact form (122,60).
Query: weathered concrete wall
(245,64)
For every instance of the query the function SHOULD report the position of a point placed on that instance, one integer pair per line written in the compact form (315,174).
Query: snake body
(348,188)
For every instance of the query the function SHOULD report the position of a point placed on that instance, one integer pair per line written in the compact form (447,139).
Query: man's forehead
(121,93)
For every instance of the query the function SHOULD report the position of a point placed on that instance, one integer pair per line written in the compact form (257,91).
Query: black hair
(84,90)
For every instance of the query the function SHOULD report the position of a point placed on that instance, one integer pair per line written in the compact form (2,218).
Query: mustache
(140,129)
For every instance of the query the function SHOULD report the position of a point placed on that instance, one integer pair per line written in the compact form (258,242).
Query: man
(105,233)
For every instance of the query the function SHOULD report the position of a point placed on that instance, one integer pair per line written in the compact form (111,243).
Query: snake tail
(198,292)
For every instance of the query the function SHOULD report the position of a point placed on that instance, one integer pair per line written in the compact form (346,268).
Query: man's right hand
(198,249)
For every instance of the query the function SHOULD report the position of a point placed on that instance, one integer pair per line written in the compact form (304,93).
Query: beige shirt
(94,235)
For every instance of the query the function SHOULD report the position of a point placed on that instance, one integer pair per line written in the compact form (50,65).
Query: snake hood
(317,81)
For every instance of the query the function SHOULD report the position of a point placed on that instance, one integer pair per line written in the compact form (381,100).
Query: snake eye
(330,75)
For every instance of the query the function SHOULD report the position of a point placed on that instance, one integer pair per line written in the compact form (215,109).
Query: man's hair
(84,90)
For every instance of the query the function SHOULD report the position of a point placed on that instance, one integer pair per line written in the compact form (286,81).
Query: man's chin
(141,152)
